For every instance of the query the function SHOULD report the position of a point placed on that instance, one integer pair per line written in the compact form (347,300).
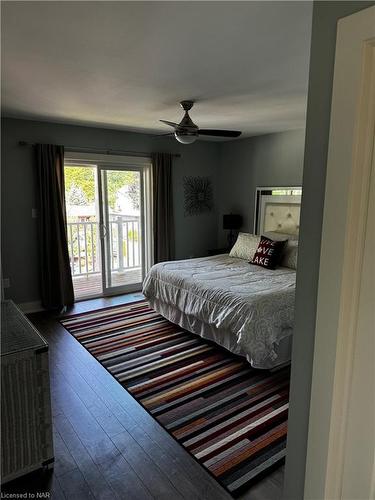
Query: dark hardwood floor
(106,445)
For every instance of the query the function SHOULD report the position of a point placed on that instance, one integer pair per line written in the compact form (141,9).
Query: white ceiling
(128,64)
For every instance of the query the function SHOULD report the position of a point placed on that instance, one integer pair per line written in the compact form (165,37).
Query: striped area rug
(230,417)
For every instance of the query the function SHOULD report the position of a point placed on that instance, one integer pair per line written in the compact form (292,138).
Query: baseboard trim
(31,307)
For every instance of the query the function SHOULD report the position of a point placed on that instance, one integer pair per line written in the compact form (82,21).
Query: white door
(341,443)
(358,473)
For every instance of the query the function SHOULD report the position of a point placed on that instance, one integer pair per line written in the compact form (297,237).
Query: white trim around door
(104,166)
(341,442)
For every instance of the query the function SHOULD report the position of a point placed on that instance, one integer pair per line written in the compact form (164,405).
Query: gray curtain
(162,206)
(56,279)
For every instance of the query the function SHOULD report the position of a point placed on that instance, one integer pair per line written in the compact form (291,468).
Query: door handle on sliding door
(103,230)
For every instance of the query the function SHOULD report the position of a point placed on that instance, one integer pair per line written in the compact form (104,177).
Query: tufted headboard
(279,214)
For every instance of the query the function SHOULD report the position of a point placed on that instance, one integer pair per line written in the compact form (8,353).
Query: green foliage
(76,196)
(116,179)
(83,178)
(133,235)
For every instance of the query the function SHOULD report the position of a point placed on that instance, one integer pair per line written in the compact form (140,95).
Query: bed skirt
(222,337)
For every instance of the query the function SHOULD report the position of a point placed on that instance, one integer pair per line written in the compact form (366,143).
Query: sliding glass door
(108,211)
(122,228)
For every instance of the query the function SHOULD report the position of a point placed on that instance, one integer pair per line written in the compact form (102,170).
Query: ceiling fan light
(186,137)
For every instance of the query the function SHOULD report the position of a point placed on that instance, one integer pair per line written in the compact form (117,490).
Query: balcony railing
(124,245)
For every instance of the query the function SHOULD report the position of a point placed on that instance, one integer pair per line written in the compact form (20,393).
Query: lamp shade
(232,221)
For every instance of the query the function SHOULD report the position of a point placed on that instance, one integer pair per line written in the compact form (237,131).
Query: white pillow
(245,246)
(290,256)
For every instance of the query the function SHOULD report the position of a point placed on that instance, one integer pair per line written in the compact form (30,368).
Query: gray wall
(193,235)
(267,160)
(325,16)
(236,168)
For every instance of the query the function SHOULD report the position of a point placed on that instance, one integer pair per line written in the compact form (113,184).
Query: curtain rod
(103,150)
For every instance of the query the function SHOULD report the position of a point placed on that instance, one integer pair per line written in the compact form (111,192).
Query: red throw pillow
(269,253)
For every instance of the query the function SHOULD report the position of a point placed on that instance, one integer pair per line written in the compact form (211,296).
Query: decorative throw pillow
(277,236)
(269,253)
(290,256)
(245,246)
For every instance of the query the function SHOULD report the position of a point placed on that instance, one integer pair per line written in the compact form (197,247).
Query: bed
(245,308)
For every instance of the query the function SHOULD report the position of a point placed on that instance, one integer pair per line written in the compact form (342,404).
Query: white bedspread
(255,304)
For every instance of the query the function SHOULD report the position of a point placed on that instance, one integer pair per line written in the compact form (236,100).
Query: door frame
(141,164)
(347,195)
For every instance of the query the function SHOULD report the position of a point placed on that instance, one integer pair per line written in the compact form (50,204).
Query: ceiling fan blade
(161,135)
(219,133)
(171,124)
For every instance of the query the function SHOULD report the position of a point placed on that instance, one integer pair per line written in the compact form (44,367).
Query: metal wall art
(198,195)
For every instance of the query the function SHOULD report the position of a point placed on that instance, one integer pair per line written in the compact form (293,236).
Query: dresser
(26,424)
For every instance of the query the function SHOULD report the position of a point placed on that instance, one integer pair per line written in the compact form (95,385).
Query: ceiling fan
(187,132)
